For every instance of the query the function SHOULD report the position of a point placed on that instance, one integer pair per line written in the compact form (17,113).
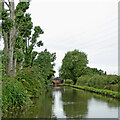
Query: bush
(13,93)
(32,80)
(68,81)
(17,91)
(99,81)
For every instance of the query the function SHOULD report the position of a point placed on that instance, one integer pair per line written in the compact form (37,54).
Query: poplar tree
(16,32)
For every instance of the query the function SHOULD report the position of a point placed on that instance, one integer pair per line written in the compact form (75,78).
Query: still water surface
(66,102)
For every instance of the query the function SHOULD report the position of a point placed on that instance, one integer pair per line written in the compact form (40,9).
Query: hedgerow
(109,82)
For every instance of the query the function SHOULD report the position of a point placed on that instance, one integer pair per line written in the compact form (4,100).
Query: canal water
(67,102)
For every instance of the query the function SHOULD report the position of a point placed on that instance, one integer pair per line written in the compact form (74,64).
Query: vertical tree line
(19,41)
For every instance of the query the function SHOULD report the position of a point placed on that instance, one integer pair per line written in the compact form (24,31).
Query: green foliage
(39,43)
(19,42)
(45,62)
(13,93)
(99,81)
(73,65)
(23,6)
(19,17)
(92,71)
(22,24)
(68,81)
(32,80)
(25,24)
(7,25)
(29,53)
(37,32)
(20,56)
(3,59)
(5,14)
(28,83)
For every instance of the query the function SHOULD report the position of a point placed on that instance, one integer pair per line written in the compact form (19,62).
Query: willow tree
(16,31)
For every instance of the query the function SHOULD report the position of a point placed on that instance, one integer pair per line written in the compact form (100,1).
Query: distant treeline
(74,65)
(74,70)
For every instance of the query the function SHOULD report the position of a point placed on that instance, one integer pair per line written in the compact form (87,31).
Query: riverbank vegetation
(105,92)
(109,82)
(18,91)
(29,82)
(86,78)
(26,73)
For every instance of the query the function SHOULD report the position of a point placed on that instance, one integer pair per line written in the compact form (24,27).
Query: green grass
(110,93)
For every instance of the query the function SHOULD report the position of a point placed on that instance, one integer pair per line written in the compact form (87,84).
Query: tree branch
(7,4)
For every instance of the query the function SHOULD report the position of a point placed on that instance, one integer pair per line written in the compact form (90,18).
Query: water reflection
(66,102)
(72,103)
(57,107)
(40,108)
(75,104)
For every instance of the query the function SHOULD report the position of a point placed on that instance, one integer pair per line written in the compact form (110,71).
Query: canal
(67,102)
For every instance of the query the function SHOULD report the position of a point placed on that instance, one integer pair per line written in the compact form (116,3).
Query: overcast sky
(90,26)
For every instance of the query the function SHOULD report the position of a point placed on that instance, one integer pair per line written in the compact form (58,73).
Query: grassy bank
(100,84)
(17,92)
(109,82)
(105,92)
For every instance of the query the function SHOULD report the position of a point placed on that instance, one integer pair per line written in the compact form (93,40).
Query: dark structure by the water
(57,81)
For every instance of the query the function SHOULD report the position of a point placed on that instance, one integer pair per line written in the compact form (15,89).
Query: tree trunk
(10,62)
(11,41)
(14,64)
(75,81)
(5,36)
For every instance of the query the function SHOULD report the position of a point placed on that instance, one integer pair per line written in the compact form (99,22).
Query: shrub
(32,80)
(17,91)
(13,93)
(99,81)
(68,81)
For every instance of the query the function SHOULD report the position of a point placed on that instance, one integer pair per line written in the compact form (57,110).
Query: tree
(16,32)
(0,19)
(45,62)
(12,21)
(30,44)
(92,71)
(73,65)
